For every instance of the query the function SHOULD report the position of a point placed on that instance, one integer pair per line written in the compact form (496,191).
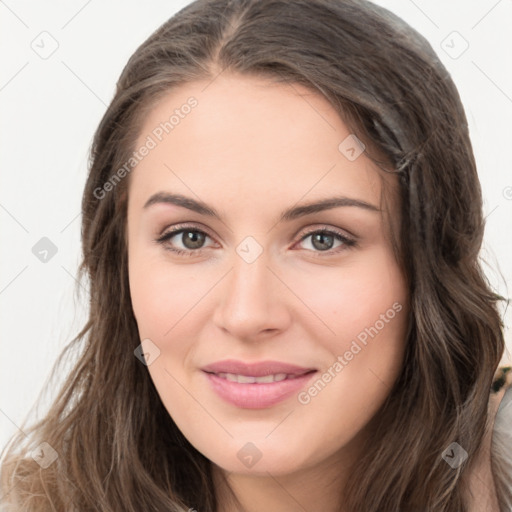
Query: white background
(51,108)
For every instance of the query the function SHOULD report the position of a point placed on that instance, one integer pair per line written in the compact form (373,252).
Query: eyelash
(347,242)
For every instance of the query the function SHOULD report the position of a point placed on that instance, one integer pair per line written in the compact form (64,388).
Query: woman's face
(258,282)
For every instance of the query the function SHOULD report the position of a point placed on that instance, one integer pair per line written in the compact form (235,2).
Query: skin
(252,149)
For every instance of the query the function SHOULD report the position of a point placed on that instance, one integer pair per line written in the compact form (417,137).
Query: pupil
(320,237)
(194,238)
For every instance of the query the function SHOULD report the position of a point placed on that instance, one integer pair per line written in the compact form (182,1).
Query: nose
(254,303)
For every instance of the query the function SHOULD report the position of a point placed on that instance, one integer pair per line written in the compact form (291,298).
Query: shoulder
(501,445)
(490,475)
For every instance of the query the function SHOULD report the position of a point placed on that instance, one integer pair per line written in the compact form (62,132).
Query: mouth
(257,385)
(258,369)
(266,379)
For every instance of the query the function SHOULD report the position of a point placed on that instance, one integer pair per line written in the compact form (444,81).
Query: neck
(316,487)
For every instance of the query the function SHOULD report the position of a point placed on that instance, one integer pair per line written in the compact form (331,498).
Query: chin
(260,458)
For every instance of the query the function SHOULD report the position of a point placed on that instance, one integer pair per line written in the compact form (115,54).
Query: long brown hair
(118,448)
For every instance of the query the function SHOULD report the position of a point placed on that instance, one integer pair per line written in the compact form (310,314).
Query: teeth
(242,379)
(245,379)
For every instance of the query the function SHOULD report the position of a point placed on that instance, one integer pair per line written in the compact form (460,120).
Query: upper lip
(259,369)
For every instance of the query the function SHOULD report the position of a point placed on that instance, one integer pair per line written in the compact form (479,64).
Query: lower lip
(254,395)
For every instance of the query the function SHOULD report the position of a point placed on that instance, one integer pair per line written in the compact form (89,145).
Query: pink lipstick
(256,385)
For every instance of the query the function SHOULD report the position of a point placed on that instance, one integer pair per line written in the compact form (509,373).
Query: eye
(192,240)
(322,241)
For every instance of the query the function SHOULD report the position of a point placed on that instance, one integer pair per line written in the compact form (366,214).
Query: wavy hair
(118,448)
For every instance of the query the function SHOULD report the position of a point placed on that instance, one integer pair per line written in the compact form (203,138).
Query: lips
(261,369)
(257,385)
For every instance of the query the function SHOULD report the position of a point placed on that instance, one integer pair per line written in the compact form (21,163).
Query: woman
(281,228)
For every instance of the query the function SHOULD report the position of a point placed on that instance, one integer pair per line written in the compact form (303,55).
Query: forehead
(245,136)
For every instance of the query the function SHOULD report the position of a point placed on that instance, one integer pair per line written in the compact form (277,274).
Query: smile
(247,379)
(262,392)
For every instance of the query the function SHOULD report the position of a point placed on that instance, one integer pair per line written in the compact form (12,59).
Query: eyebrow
(288,215)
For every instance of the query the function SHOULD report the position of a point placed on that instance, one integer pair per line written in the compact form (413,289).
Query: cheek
(150,298)
(161,295)
(352,298)
(364,313)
